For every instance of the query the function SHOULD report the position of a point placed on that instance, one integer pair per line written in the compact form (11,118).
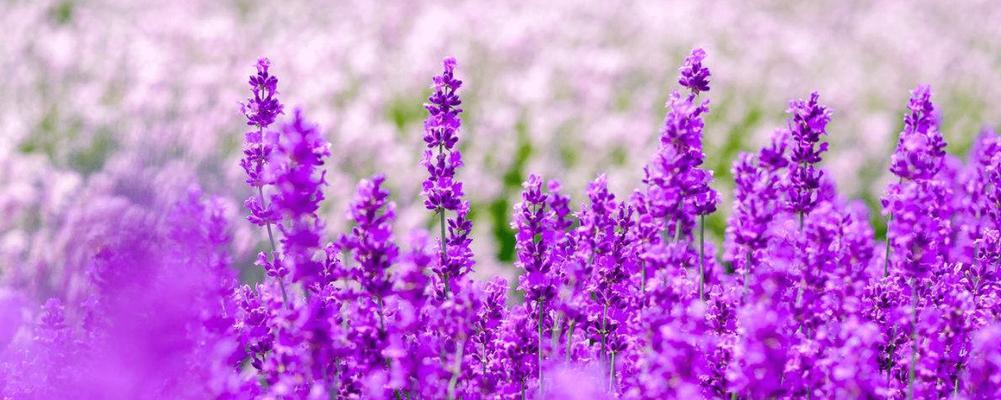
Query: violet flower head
(988,196)
(694,76)
(262,109)
(919,231)
(673,178)
(921,148)
(534,242)
(678,188)
(756,202)
(807,123)
(441,189)
(371,239)
(300,152)
(704,198)
(775,156)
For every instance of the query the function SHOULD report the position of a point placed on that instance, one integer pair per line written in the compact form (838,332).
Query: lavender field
(462,200)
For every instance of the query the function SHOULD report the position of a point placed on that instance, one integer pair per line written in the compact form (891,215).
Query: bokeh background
(133,100)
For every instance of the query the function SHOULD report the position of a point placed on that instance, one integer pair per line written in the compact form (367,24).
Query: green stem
(643,279)
(271,238)
(382,323)
(747,274)
(611,374)
(264,205)
(886,258)
(914,338)
(444,251)
(802,282)
(456,369)
(554,337)
(541,316)
(702,257)
(569,349)
(604,312)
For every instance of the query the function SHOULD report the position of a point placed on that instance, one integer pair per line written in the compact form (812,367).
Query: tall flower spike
(299,153)
(442,191)
(807,123)
(534,241)
(674,178)
(919,215)
(533,223)
(677,186)
(261,109)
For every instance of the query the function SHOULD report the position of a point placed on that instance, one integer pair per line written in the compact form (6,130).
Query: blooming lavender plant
(611,301)
(442,190)
(677,187)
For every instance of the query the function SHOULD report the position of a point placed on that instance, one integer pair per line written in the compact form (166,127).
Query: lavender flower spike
(807,123)
(298,183)
(921,148)
(371,240)
(442,191)
(534,224)
(261,110)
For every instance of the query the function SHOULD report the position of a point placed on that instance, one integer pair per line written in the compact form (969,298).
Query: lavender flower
(755,205)
(611,292)
(677,188)
(808,122)
(300,151)
(442,191)
(921,146)
(694,76)
(262,109)
(362,338)
(370,241)
(534,242)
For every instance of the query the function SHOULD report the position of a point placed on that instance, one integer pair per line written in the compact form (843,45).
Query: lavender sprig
(807,123)
(442,191)
(534,238)
(261,111)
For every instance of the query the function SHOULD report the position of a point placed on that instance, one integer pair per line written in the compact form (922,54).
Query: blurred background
(136,99)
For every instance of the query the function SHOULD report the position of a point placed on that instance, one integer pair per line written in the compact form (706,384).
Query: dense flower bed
(618,296)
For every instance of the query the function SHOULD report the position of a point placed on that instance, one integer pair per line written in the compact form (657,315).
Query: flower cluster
(442,190)
(808,122)
(619,297)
